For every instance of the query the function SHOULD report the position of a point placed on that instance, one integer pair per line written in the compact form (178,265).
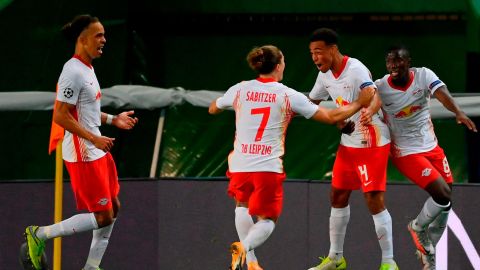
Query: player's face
(322,55)
(398,64)
(93,40)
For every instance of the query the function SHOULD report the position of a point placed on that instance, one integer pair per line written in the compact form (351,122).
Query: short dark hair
(326,35)
(72,30)
(398,48)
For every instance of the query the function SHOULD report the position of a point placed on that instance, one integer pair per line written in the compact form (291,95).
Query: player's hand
(125,120)
(346,127)
(103,143)
(366,95)
(366,116)
(462,118)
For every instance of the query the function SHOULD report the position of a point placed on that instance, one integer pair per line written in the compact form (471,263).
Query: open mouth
(100,49)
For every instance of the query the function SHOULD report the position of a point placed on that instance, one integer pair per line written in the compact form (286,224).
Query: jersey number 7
(265,111)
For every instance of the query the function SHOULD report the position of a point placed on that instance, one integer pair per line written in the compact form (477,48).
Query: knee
(339,199)
(104,218)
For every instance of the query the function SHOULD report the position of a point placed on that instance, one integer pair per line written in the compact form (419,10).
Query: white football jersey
(263,110)
(344,88)
(407,111)
(78,86)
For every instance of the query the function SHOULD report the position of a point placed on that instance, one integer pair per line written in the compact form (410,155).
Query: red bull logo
(341,102)
(407,111)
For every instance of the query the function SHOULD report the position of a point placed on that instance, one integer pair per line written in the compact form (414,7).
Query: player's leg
(420,169)
(383,227)
(87,184)
(101,236)
(243,223)
(372,171)
(439,224)
(442,195)
(36,236)
(344,180)
(265,203)
(240,189)
(105,218)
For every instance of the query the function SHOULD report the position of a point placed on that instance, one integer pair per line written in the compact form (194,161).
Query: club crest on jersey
(417,92)
(426,172)
(68,92)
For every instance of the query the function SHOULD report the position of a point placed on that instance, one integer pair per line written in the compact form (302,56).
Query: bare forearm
(345,112)
(69,123)
(447,100)
(213,109)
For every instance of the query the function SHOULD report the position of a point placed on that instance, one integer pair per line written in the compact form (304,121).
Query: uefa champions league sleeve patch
(68,92)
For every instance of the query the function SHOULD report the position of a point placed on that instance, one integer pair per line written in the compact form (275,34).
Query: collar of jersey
(401,88)
(344,64)
(76,56)
(266,80)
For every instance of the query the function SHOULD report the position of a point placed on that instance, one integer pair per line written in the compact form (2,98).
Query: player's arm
(332,116)
(123,120)
(443,95)
(213,109)
(62,116)
(367,113)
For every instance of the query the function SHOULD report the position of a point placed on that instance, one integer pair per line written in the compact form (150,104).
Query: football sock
(258,234)
(99,245)
(339,218)
(75,224)
(243,223)
(429,212)
(383,228)
(437,227)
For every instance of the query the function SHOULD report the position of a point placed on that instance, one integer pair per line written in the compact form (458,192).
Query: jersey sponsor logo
(341,102)
(426,172)
(433,84)
(407,111)
(68,92)
(103,201)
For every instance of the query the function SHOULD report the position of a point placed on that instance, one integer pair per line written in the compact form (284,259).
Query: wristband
(109,119)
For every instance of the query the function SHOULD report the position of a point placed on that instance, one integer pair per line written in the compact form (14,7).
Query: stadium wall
(189,224)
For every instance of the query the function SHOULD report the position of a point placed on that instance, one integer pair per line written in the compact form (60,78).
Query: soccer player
(263,109)
(406,93)
(362,155)
(86,153)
